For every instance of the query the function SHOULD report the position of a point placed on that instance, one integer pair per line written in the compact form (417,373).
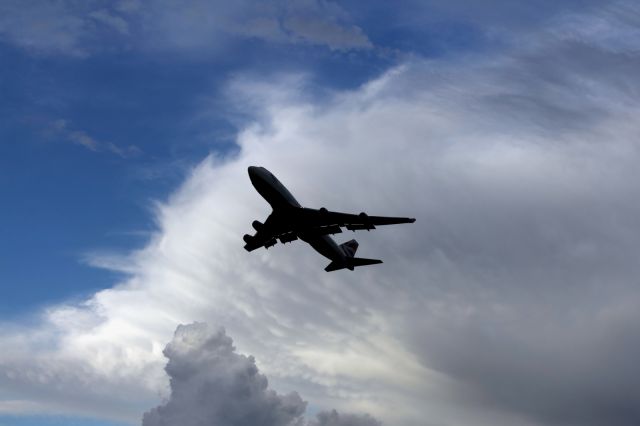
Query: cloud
(72,28)
(324,23)
(60,128)
(212,384)
(81,138)
(333,418)
(511,301)
(42,26)
(203,24)
(112,20)
(495,15)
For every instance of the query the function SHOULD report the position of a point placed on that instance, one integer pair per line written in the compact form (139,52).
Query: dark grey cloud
(212,384)
(333,418)
(560,368)
(539,265)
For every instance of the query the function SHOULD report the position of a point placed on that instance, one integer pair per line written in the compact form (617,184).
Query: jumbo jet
(289,221)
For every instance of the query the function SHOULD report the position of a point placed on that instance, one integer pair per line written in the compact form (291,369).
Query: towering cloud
(211,384)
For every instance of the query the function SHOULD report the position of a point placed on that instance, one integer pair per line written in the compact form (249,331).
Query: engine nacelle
(247,238)
(257,225)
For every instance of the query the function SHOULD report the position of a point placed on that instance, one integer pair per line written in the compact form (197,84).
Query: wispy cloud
(72,28)
(104,16)
(61,128)
(43,26)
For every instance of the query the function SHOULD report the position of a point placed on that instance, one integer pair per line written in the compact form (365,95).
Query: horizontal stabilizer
(361,261)
(350,263)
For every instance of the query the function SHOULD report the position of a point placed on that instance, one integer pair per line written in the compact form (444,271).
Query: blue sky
(68,199)
(139,108)
(125,123)
(53,421)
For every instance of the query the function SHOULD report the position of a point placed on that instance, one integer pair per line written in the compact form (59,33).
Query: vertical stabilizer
(349,248)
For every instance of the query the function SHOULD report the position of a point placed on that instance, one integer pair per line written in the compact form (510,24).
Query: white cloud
(511,301)
(107,18)
(42,26)
(212,384)
(61,129)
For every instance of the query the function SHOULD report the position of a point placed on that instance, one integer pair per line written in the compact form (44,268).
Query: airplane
(290,221)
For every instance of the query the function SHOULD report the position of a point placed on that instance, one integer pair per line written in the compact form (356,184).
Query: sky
(508,129)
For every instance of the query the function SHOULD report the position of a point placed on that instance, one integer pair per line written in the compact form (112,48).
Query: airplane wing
(258,240)
(323,218)
(264,236)
(286,227)
(276,228)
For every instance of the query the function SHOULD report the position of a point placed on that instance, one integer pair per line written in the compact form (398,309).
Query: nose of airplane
(253,171)
(254,174)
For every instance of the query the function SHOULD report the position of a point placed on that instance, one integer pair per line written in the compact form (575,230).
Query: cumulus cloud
(212,384)
(511,301)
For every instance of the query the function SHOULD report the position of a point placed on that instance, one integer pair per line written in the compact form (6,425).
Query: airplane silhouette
(289,221)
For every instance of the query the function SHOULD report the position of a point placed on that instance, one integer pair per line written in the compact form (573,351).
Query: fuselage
(281,200)
(271,188)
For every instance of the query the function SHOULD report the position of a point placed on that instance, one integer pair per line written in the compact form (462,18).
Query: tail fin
(349,248)
(351,262)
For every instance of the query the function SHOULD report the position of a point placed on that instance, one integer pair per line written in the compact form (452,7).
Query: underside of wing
(299,222)
(266,240)
(312,218)
(265,235)
(278,227)
(256,241)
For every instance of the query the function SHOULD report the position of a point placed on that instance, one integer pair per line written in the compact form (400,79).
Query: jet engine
(366,224)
